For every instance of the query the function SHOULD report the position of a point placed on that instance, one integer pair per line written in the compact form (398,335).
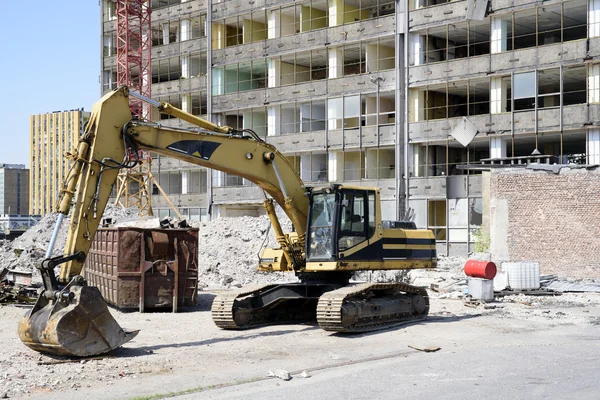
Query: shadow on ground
(422,321)
(146,350)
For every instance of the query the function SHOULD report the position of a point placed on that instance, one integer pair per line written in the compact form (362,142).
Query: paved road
(561,371)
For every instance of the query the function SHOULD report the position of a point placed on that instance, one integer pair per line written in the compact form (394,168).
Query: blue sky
(49,61)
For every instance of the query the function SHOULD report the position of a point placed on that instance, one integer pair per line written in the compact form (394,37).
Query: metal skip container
(139,268)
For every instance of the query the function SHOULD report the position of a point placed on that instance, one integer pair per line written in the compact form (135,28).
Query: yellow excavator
(338,230)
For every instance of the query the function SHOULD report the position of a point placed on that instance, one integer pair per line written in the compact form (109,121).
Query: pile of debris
(29,249)
(13,291)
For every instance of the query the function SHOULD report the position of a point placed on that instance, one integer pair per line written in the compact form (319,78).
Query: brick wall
(546,217)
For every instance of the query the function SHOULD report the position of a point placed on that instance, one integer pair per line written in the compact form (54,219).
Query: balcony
(387,186)
(574,117)
(301,92)
(568,52)
(299,142)
(180,200)
(179,86)
(455,186)
(238,195)
(440,129)
(316,39)
(229,8)
(424,18)
(183,10)
(525,59)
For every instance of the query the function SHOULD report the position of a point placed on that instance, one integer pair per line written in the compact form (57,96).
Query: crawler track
(368,307)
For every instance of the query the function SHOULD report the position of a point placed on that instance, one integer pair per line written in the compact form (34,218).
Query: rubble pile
(229,248)
(26,251)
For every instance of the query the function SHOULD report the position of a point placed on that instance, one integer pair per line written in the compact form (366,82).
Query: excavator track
(368,307)
(223,305)
(261,305)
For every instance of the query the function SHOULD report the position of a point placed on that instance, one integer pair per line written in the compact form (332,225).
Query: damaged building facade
(395,95)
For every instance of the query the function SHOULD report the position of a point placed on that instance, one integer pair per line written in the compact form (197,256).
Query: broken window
(574,85)
(524,27)
(437,218)
(543,25)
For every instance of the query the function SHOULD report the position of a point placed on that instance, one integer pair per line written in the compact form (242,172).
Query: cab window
(353,219)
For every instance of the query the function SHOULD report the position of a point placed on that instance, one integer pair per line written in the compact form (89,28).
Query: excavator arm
(111,129)
(111,142)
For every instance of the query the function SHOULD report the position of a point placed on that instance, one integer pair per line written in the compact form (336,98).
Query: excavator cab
(341,221)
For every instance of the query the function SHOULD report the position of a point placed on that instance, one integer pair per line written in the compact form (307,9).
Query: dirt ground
(184,351)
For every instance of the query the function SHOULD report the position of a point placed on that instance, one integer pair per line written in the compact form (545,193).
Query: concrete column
(371,164)
(499,35)
(185,66)
(416,100)
(217,35)
(594,18)
(185,29)
(498,147)
(218,82)
(336,12)
(594,83)
(419,4)
(186,102)
(418,160)
(165,32)
(593,147)
(416,51)
(273,121)
(274,24)
(335,166)
(336,62)
(498,95)
(305,168)
(273,72)
(184,182)
(218,178)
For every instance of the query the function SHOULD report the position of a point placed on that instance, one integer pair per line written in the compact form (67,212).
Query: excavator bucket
(77,324)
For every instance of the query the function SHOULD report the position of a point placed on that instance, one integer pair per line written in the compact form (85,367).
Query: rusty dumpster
(140,268)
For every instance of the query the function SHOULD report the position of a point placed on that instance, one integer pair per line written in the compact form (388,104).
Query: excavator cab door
(340,220)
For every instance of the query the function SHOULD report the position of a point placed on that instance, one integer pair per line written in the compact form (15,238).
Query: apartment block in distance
(51,136)
(14,189)
(398,95)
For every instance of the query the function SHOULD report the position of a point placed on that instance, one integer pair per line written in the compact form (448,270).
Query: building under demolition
(391,94)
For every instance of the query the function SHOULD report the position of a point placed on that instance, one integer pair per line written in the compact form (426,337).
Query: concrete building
(392,94)
(51,136)
(14,189)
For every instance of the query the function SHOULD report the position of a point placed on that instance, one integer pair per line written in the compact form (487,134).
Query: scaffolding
(134,35)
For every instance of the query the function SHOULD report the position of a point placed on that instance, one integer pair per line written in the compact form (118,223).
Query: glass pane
(524,85)
(352,219)
(351,106)
(320,230)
